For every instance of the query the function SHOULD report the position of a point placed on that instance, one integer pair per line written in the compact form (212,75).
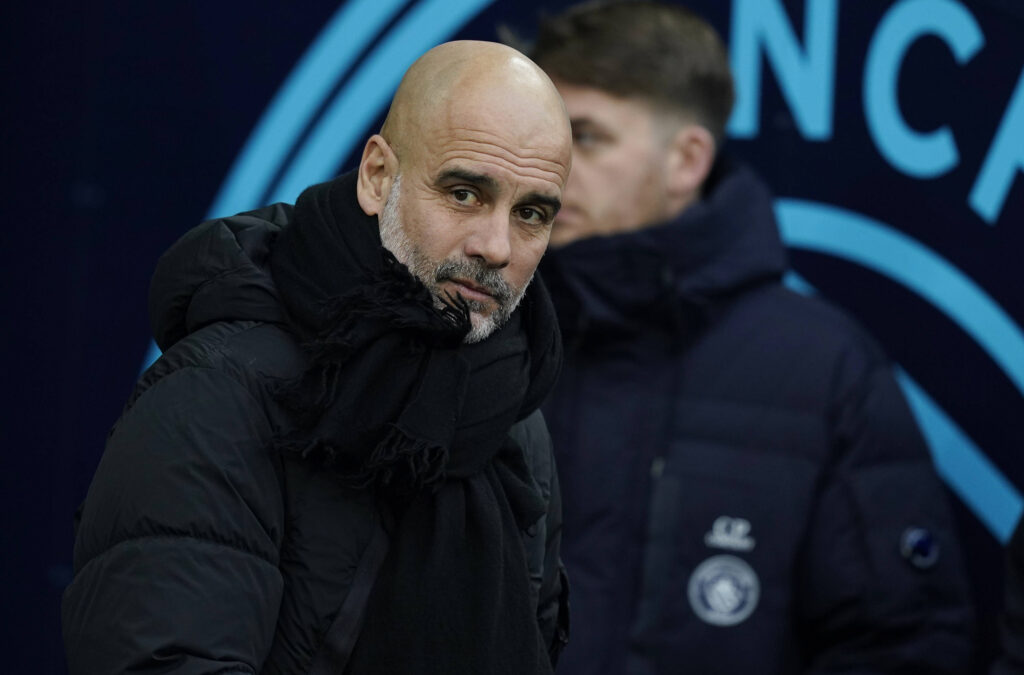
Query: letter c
(922,155)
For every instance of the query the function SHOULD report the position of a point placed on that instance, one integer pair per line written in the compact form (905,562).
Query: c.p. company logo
(346,77)
(730,533)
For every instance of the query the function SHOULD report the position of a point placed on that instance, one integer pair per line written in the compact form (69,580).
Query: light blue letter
(922,155)
(1005,158)
(807,78)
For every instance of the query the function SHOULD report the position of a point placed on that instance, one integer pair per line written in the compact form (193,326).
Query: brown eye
(464,196)
(532,216)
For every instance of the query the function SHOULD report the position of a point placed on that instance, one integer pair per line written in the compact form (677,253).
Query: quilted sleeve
(882,587)
(176,549)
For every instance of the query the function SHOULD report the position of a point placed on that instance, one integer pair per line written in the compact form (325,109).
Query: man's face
(471,215)
(618,166)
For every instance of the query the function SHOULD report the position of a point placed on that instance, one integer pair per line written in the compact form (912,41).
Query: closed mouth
(473,286)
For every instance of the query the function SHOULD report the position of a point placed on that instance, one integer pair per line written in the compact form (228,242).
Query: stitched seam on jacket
(208,351)
(172,537)
(221,374)
(209,368)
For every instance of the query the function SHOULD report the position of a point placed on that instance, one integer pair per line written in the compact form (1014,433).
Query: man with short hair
(745,490)
(338,464)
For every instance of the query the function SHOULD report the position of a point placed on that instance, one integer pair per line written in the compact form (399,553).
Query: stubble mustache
(485,277)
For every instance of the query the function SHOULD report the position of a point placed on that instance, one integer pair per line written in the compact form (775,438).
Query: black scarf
(394,402)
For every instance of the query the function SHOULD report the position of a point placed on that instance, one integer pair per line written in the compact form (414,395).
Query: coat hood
(215,272)
(723,243)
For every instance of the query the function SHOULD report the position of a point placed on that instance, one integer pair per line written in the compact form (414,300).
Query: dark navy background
(122,119)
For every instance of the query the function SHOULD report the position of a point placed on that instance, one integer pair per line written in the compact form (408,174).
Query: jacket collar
(723,243)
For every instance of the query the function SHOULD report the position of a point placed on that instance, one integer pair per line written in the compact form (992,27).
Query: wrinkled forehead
(529,138)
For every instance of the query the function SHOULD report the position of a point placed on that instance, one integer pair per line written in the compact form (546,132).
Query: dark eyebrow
(471,177)
(585,122)
(552,203)
(484,181)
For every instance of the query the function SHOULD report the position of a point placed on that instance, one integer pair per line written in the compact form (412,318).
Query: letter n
(806,75)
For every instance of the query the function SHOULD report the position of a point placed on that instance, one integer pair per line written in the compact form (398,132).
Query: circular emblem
(724,590)
(919,548)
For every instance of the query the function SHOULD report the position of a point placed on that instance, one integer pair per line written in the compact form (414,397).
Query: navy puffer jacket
(745,490)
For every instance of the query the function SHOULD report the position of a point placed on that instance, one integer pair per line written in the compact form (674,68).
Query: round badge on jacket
(724,590)
(919,547)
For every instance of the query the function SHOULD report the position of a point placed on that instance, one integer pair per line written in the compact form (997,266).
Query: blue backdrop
(892,133)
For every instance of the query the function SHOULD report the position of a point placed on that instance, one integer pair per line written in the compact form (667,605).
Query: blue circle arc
(804,224)
(326,61)
(852,236)
(886,250)
(329,58)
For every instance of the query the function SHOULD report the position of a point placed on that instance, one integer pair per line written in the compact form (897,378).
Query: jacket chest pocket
(724,531)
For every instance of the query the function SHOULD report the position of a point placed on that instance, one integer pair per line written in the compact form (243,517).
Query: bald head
(474,83)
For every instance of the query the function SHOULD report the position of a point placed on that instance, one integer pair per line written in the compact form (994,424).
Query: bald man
(338,465)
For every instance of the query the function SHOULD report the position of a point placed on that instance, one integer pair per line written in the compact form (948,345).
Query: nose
(490,240)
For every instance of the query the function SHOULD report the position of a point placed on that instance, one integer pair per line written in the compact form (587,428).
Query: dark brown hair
(661,53)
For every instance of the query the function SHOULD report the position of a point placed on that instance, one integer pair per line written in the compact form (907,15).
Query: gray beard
(432,273)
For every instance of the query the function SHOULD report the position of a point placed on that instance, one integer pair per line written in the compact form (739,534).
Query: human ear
(377,170)
(691,152)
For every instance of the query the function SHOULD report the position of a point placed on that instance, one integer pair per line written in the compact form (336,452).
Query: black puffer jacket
(201,550)
(739,468)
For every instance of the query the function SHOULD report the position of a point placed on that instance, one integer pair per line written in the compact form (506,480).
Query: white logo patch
(724,590)
(732,534)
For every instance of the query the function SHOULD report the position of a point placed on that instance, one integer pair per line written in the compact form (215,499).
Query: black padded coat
(198,548)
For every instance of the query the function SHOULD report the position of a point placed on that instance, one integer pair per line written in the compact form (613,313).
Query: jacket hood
(215,272)
(725,242)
